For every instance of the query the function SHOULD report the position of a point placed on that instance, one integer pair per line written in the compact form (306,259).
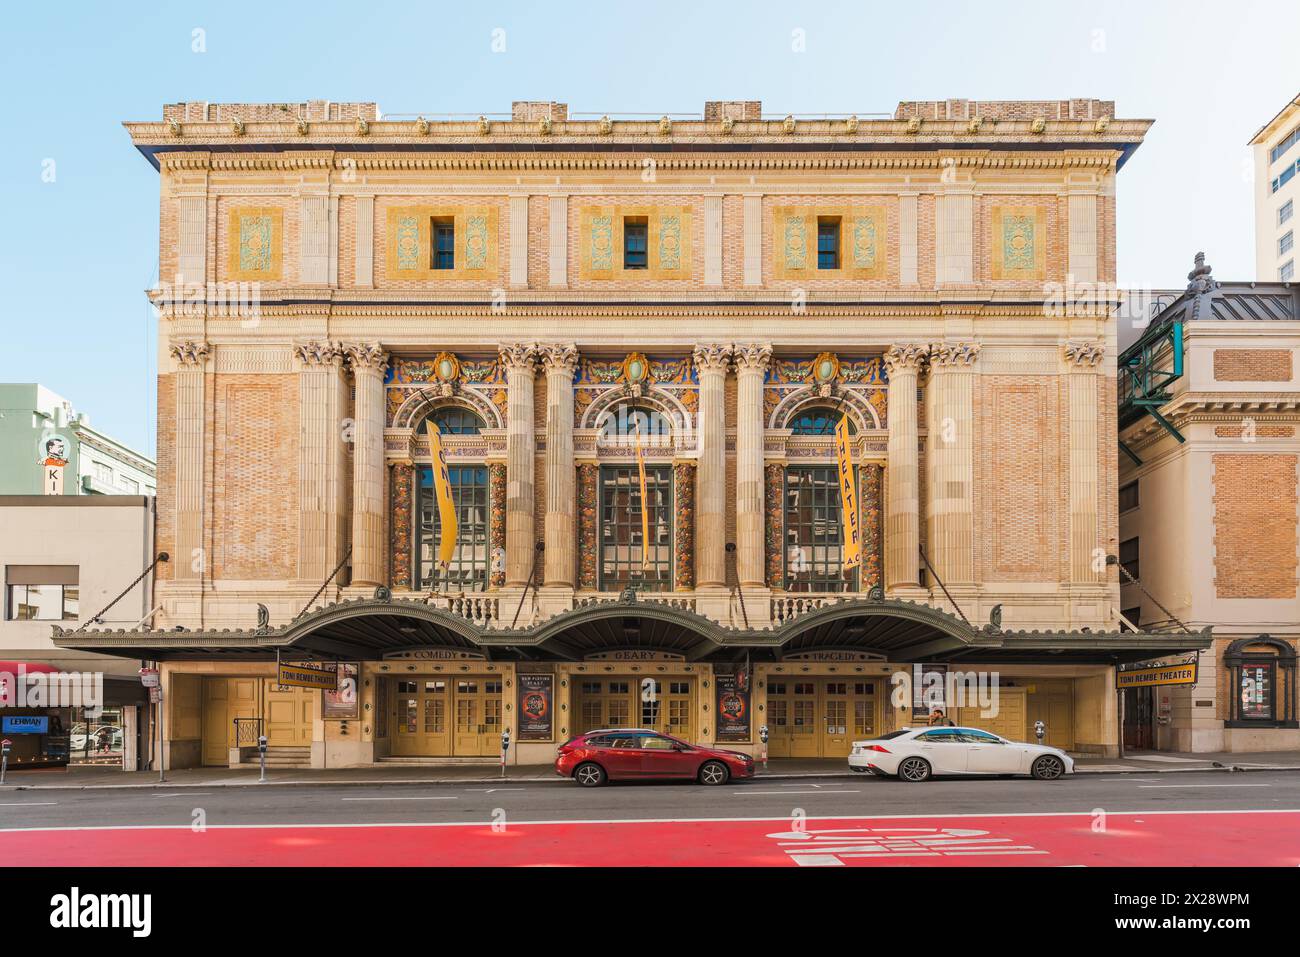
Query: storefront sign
(1182,673)
(343,702)
(25,724)
(434,654)
(633,654)
(929,682)
(149,677)
(536,707)
(733,707)
(832,656)
(305,676)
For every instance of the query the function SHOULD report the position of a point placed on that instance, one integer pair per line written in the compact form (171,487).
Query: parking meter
(4,758)
(1040,730)
(505,746)
(261,751)
(762,736)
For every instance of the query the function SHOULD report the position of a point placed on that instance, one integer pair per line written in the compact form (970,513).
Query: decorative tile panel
(684,532)
(256,238)
(1019,242)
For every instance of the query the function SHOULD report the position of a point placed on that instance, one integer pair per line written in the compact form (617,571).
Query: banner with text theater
(536,706)
(733,707)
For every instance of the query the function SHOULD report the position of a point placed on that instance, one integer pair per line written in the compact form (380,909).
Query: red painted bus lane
(1235,838)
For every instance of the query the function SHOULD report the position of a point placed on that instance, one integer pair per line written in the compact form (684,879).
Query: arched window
(1262,683)
(818,420)
(625,420)
(454,420)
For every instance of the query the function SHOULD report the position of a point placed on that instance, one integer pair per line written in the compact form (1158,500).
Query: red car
(617,754)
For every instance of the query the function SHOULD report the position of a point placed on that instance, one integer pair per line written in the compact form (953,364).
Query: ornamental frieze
(860,383)
(415,386)
(599,383)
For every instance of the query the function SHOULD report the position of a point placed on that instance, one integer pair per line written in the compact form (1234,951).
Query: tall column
(520,362)
(751,368)
(368,362)
(711,478)
(561,489)
(902,517)
(949,464)
(321,458)
(1084,359)
(191,360)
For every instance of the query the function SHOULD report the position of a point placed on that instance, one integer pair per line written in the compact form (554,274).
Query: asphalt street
(521,802)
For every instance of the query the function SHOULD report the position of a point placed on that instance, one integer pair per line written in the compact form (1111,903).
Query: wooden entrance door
(819,717)
(224,700)
(621,703)
(289,715)
(477,710)
(420,715)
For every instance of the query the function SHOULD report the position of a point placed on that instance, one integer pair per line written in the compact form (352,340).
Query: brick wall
(1255,525)
(1252,365)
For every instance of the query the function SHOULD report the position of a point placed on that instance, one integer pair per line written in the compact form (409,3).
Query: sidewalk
(778,769)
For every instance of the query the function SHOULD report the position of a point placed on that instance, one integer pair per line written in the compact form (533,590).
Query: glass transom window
(814,535)
(818,420)
(456,421)
(468,568)
(621,546)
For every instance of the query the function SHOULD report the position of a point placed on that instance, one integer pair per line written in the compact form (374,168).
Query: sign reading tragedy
(1179,673)
(306,676)
(536,707)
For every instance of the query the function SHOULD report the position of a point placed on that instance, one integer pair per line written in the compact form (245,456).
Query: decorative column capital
(315,354)
(367,356)
(1084,355)
(559,357)
(752,356)
(519,356)
(712,357)
(906,358)
(953,354)
(190,352)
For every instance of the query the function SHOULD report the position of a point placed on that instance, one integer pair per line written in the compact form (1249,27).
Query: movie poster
(733,706)
(536,707)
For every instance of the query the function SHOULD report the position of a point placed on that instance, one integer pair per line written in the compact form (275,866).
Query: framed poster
(929,682)
(536,707)
(342,703)
(733,707)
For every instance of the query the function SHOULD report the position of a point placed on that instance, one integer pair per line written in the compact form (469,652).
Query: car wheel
(589,775)
(914,770)
(713,772)
(1048,768)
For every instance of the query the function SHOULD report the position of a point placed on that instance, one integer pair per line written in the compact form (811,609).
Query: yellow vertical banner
(448,524)
(645,510)
(848,496)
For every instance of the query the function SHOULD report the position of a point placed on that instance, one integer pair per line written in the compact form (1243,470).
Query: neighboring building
(65,559)
(39,429)
(546,293)
(1277,194)
(1209,411)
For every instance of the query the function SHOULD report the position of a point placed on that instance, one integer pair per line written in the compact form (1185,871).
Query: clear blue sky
(77,253)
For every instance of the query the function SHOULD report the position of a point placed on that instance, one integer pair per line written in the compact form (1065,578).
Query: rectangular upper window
(635,242)
(444,244)
(1128,557)
(1128,496)
(1291,139)
(1287,272)
(1285,243)
(1285,212)
(828,242)
(1284,178)
(41,592)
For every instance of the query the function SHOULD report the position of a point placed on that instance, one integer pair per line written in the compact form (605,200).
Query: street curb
(551,779)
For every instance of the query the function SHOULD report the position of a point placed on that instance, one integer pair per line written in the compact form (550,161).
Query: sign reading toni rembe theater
(305,676)
(1183,673)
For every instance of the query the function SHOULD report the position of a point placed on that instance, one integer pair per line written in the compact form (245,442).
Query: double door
(657,704)
(819,717)
(446,717)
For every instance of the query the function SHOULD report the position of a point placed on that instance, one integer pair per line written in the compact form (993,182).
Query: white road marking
(1205,786)
(649,820)
(402,799)
(494,790)
(29,804)
(742,793)
(184,795)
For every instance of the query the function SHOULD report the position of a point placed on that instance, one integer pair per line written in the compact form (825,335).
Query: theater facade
(568,300)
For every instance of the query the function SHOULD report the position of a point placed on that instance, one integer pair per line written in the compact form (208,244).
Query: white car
(914,754)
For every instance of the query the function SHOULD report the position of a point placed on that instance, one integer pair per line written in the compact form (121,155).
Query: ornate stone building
(551,293)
